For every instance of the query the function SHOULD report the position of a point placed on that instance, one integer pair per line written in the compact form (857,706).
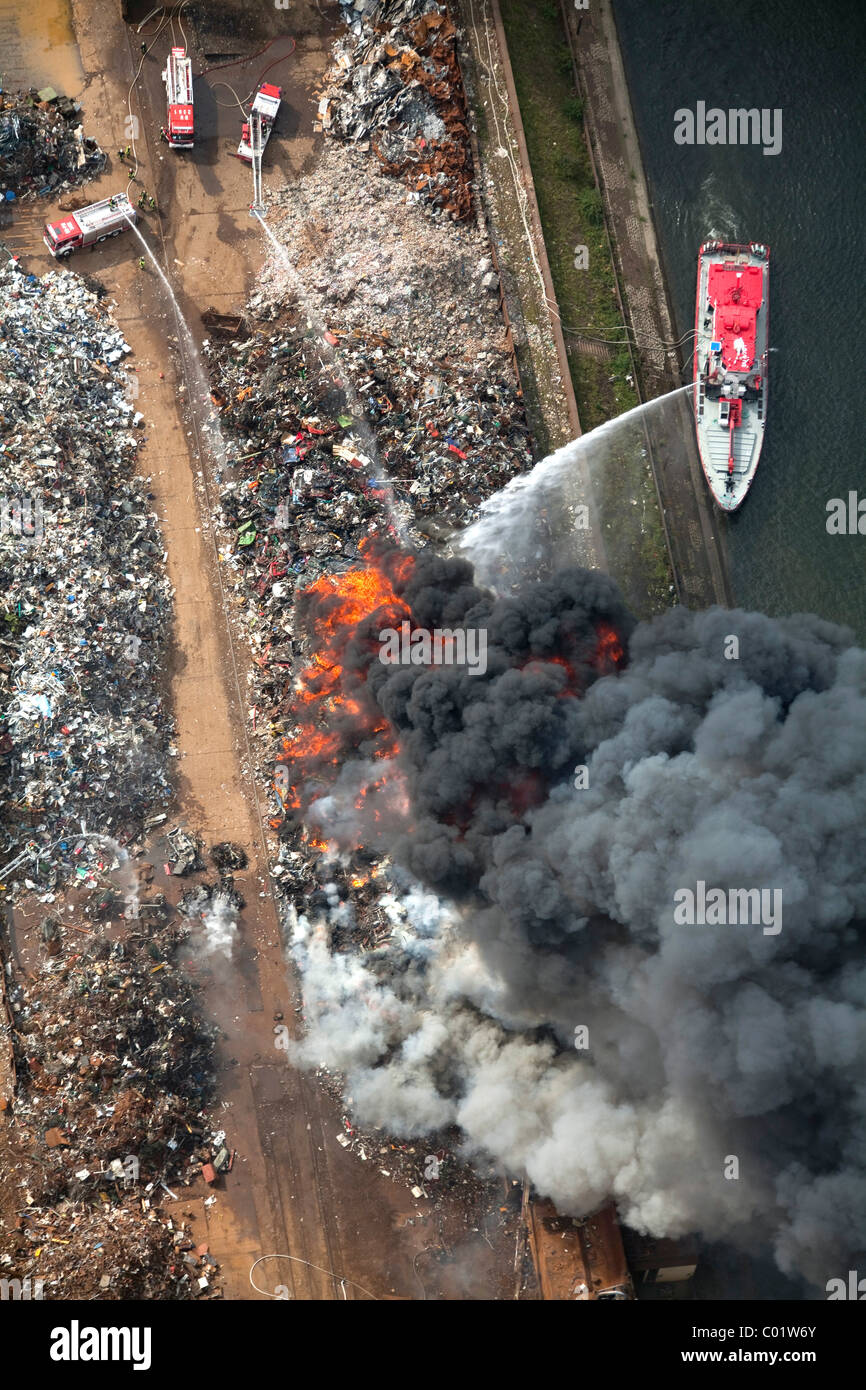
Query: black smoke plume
(740,768)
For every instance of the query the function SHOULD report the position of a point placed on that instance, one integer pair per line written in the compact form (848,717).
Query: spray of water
(548,518)
(360,426)
(206,418)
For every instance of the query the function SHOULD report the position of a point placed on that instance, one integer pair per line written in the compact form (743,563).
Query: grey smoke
(705,1042)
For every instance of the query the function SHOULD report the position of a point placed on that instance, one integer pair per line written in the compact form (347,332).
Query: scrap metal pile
(395,85)
(114,1069)
(368,261)
(43,148)
(84,603)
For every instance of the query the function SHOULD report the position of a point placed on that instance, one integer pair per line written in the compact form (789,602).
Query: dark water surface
(809,204)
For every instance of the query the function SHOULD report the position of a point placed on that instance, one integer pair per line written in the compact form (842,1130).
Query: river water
(807,202)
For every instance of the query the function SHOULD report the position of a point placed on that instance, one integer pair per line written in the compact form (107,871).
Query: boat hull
(731,389)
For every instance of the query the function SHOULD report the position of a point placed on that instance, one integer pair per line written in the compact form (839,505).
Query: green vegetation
(637,554)
(14,623)
(487,142)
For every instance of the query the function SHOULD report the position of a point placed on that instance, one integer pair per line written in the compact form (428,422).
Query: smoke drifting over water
(704,1042)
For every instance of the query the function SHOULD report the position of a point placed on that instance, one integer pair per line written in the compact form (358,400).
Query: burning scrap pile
(350,702)
(84,602)
(113,1068)
(395,83)
(367,938)
(383,395)
(42,148)
(315,443)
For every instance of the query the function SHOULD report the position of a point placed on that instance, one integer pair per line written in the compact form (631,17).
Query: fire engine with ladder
(255,135)
(178,88)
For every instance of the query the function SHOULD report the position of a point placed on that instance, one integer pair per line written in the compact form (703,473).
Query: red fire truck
(266,105)
(178,88)
(89,225)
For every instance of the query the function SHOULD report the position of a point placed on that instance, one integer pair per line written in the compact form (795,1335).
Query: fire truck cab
(95,223)
(266,105)
(177,77)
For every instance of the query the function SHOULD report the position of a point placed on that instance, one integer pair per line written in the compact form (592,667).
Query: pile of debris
(405,386)
(114,1070)
(375,388)
(395,85)
(128,1249)
(43,148)
(85,603)
(369,262)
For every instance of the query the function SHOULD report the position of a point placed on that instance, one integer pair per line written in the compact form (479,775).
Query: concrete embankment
(694,531)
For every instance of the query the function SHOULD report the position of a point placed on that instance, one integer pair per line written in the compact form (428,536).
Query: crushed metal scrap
(43,148)
(108,1125)
(395,83)
(85,735)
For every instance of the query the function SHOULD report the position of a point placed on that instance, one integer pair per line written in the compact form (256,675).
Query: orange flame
(332,718)
(609,651)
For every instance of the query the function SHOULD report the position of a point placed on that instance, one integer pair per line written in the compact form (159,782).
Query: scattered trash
(42,150)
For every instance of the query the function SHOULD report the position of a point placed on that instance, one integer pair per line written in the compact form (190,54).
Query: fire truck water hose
(132,120)
(226,104)
(233,62)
